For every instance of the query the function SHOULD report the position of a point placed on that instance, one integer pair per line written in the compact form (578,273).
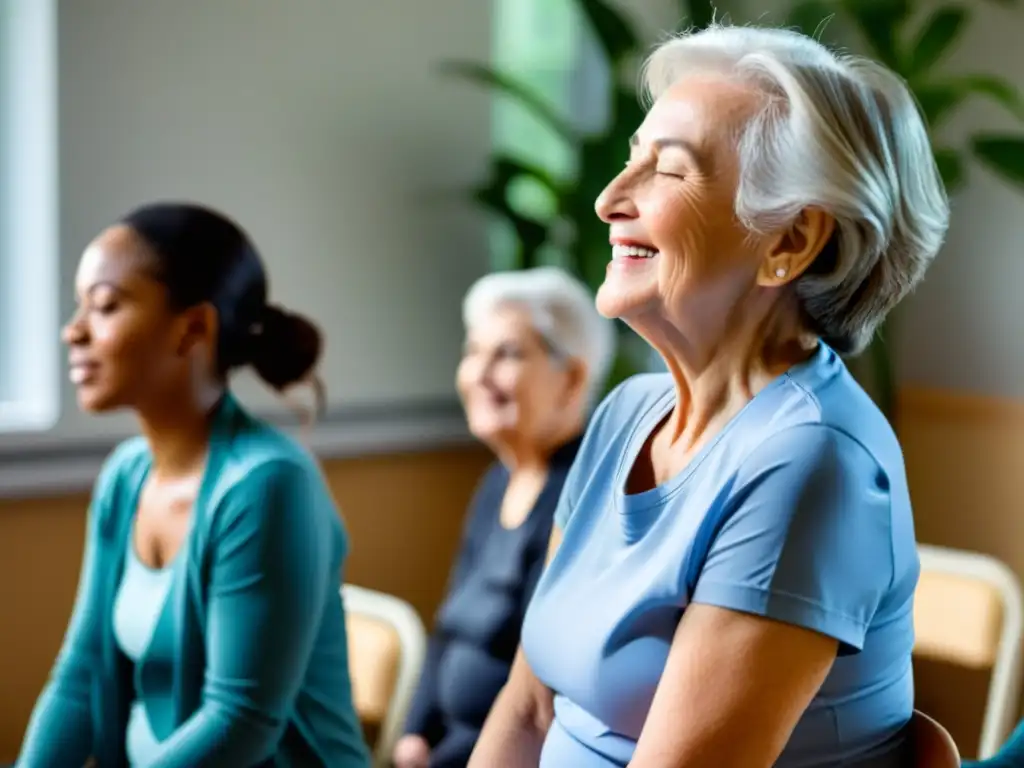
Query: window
(29,247)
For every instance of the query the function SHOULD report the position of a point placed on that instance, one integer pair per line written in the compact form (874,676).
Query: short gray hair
(839,133)
(561,310)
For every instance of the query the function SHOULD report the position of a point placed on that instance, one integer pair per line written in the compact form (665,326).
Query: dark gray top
(476,630)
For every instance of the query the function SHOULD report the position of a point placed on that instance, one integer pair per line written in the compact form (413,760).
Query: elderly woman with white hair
(733,562)
(536,354)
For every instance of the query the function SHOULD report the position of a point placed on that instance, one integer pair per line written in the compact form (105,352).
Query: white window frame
(30,386)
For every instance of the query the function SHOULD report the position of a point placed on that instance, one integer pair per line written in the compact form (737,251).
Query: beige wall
(965,458)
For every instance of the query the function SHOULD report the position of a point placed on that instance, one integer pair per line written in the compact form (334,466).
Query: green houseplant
(564,219)
(916,46)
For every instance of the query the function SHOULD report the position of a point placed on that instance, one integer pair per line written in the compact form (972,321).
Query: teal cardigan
(253,620)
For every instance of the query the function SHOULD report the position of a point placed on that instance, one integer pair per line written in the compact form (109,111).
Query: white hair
(560,308)
(839,133)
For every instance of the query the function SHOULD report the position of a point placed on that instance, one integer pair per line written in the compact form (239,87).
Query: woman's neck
(178,433)
(717,375)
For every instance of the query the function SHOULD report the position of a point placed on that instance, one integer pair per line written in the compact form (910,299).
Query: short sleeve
(806,537)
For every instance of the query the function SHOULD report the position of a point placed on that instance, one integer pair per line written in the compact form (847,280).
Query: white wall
(325,129)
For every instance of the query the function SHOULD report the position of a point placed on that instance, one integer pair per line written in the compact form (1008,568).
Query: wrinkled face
(515,388)
(126,345)
(678,251)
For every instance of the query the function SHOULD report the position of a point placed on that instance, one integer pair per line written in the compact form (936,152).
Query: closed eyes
(659,171)
(673,174)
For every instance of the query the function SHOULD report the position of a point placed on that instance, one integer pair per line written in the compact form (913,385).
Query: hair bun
(286,347)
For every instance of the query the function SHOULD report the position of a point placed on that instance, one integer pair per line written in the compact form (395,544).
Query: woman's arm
(60,732)
(424,718)
(518,723)
(795,573)
(739,683)
(271,573)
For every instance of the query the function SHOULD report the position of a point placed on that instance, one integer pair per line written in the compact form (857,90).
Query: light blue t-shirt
(798,510)
(141,599)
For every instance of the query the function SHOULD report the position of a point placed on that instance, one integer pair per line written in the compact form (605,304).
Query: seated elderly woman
(733,561)
(536,354)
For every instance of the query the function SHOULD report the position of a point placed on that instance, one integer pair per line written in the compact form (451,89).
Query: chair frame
(1003,700)
(412,638)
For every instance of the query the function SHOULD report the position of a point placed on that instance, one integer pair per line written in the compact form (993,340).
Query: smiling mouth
(633,252)
(81,373)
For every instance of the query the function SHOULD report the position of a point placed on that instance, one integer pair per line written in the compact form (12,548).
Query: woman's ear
(198,329)
(796,248)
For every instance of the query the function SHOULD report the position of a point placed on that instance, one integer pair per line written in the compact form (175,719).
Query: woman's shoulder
(113,490)
(252,465)
(261,453)
(621,411)
(262,476)
(631,398)
(129,459)
(825,399)
(128,455)
(245,449)
(640,388)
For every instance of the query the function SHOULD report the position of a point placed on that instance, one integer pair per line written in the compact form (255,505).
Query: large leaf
(938,99)
(951,168)
(531,235)
(613,31)
(996,88)
(810,17)
(1001,153)
(880,23)
(507,168)
(936,39)
(507,84)
(494,195)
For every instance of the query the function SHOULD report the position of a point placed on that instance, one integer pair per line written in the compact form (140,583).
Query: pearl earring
(780,272)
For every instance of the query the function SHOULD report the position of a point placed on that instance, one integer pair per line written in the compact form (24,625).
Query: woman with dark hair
(208,629)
